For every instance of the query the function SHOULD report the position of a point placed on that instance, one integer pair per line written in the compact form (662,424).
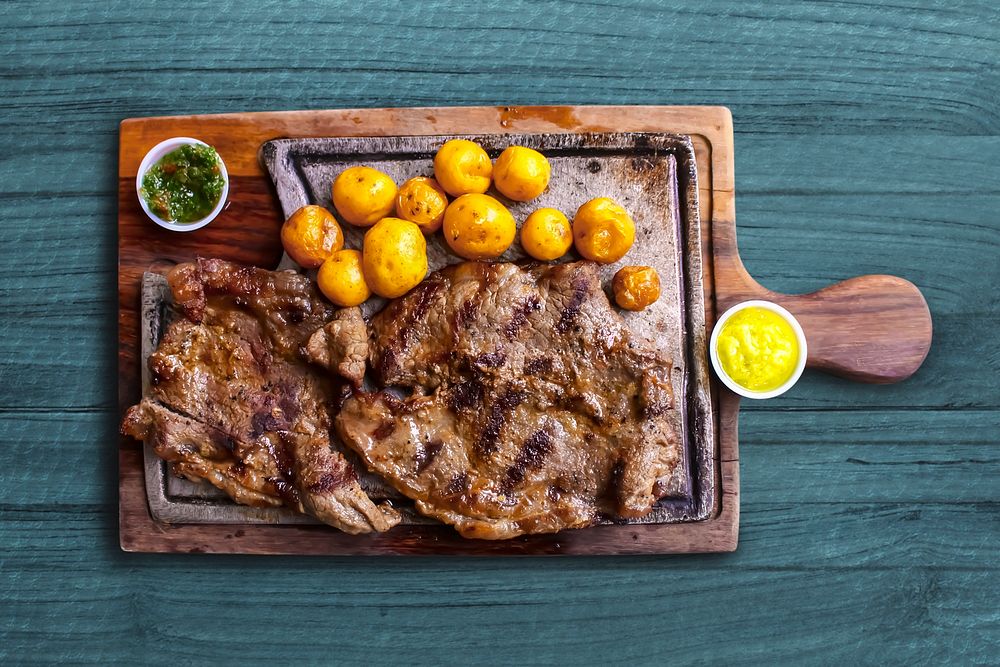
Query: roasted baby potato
(546,234)
(477,226)
(462,167)
(394,259)
(521,173)
(603,231)
(341,279)
(363,196)
(422,201)
(636,287)
(311,235)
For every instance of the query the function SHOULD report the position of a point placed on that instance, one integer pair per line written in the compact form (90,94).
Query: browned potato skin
(394,257)
(422,201)
(603,231)
(635,287)
(311,235)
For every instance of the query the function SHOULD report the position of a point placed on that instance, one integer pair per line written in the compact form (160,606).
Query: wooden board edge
(717,534)
(140,533)
(713,122)
(711,118)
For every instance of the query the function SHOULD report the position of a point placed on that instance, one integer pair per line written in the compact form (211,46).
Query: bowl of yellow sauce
(758,349)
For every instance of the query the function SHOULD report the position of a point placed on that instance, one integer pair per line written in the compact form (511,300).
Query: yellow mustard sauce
(758,349)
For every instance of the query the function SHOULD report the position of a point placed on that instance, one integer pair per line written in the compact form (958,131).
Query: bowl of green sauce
(182,184)
(758,349)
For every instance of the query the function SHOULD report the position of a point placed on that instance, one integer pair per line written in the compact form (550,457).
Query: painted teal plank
(786,457)
(785,67)
(818,210)
(744,617)
(818,536)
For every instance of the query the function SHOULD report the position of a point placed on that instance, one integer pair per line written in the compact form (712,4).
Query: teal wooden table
(867,141)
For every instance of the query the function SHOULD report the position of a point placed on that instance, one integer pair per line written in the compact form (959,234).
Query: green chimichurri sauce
(185,185)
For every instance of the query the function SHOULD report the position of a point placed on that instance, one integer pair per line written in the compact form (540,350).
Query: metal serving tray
(651,174)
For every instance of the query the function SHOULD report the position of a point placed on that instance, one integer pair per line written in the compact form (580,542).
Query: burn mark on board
(641,164)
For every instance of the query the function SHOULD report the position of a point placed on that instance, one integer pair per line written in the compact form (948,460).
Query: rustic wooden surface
(236,234)
(872,328)
(866,142)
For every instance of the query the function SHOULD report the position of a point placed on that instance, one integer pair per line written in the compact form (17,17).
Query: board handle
(874,328)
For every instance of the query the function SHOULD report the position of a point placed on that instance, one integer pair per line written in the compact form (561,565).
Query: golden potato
(546,234)
(477,226)
(635,287)
(310,235)
(342,280)
(363,195)
(422,201)
(521,173)
(394,259)
(462,167)
(603,231)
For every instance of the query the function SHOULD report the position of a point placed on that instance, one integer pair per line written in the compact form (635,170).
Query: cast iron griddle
(652,175)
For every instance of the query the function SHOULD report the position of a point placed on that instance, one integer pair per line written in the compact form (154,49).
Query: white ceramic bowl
(152,157)
(713,348)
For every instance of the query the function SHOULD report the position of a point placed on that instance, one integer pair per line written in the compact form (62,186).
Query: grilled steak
(341,346)
(531,408)
(230,401)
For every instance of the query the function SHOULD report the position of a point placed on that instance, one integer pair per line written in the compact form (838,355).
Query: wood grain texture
(237,137)
(873,328)
(866,143)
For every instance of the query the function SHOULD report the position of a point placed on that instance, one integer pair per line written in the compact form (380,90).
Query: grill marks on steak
(532,407)
(416,322)
(198,451)
(231,402)
(284,302)
(499,413)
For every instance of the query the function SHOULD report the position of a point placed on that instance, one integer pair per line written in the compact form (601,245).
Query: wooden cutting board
(870,328)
